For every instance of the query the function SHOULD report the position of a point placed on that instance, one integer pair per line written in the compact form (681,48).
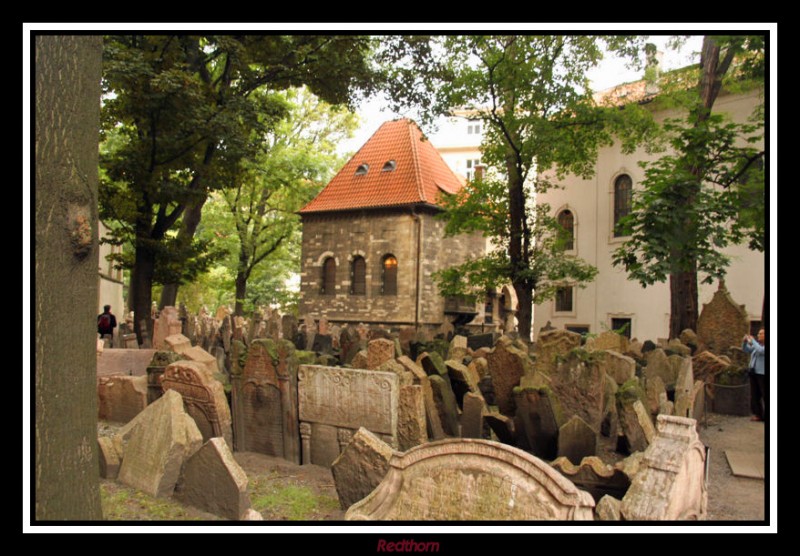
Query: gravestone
(344,400)
(322,344)
(502,427)
(619,367)
(323,326)
(434,424)
(689,338)
(177,343)
(406,335)
(360,467)
(472,416)
(109,458)
(554,343)
(477,341)
(201,357)
(538,418)
(272,328)
(579,385)
(350,344)
(412,429)
(147,342)
(360,360)
(289,327)
(214,482)
(607,509)
(675,347)
(653,390)
(203,397)
(595,477)
(608,340)
(458,348)
(658,364)
(707,366)
(432,363)
(636,425)
(129,341)
(507,364)
(264,401)
(336,334)
(127,362)
(121,398)
(155,371)
(379,352)
(446,405)
(160,440)
(168,323)
(463,378)
(722,322)
(576,440)
(684,389)
(471,480)
(671,484)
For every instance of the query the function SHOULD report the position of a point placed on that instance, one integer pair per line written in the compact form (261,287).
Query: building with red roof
(371,239)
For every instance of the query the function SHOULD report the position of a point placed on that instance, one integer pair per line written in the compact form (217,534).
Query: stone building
(371,239)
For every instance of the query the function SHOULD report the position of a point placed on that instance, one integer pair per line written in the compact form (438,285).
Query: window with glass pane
(389,275)
(328,276)
(567,221)
(359,277)
(623,189)
(564,299)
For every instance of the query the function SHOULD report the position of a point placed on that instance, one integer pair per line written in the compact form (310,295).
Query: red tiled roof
(419,176)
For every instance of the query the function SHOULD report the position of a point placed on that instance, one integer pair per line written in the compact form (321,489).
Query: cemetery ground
(282,491)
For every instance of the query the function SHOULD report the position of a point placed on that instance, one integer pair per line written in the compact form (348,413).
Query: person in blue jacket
(758,382)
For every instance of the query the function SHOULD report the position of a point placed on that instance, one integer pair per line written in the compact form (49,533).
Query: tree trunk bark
(191,219)
(525,310)
(241,293)
(67,72)
(142,286)
(683,300)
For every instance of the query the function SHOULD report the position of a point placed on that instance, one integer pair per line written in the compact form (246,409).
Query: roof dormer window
(362,169)
(389,166)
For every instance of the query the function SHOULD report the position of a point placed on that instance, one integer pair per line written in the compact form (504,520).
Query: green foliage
(725,182)
(292,502)
(122,503)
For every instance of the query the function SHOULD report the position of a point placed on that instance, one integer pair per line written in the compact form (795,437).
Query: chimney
(652,70)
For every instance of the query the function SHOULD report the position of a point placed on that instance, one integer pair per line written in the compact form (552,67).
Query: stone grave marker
(576,440)
(162,438)
(507,364)
(121,398)
(343,399)
(446,404)
(472,416)
(595,477)
(203,397)
(379,351)
(554,343)
(472,480)
(722,322)
(412,422)
(360,467)
(289,327)
(214,482)
(264,401)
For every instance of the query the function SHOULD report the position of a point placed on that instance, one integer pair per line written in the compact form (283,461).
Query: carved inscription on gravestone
(349,398)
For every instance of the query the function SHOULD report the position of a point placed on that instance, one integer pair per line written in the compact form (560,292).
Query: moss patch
(122,503)
(293,502)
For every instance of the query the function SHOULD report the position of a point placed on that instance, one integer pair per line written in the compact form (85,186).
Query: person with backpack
(106,322)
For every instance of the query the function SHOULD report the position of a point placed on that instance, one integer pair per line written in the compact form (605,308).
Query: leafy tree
(185,115)
(260,206)
(533,96)
(709,193)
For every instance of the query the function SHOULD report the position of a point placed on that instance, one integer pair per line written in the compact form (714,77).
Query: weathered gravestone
(322,344)
(264,401)
(121,398)
(576,440)
(477,341)
(168,323)
(203,396)
(434,424)
(177,343)
(619,367)
(109,458)
(722,322)
(472,416)
(289,327)
(160,440)
(608,340)
(379,351)
(350,344)
(684,390)
(671,484)
(127,362)
(458,348)
(507,364)
(463,379)
(472,480)
(579,385)
(360,467)
(159,362)
(658,364)
(636,425)
(595,477)
(608,509)
(334,402)
(446,404)
(214,482)
(552,344)
(537,421)
(412,423)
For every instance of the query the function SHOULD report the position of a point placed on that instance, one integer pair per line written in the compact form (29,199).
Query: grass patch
(292,502)
(122,503)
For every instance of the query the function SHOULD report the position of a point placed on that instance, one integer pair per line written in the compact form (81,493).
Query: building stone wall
(373,234)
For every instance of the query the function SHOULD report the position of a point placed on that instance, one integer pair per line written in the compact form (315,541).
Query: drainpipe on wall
(418,222)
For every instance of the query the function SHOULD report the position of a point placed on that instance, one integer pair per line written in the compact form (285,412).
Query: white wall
(612,294)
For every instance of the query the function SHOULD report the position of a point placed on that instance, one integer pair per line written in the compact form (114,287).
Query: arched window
(567,221)
(358,276)
(328,277)
(389,275)
(623,188)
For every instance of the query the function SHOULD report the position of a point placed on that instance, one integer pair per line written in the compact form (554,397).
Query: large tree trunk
(241,293)
(683,302)
(68,71)
(191,219)
(683,283)
(142,286)
(525,310)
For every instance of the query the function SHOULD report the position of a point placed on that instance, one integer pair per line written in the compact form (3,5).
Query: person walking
(106,322)
(758,378)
